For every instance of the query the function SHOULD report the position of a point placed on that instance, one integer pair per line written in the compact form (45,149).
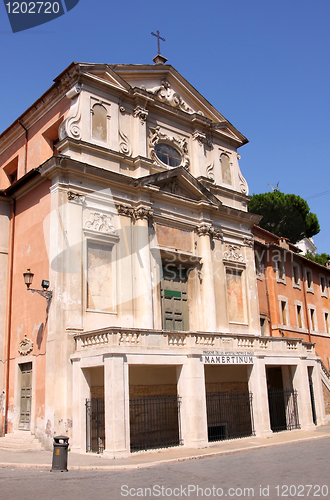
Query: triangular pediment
(105,74)
(168,87)
(180,184)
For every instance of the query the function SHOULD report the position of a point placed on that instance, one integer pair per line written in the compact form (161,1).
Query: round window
(168,155)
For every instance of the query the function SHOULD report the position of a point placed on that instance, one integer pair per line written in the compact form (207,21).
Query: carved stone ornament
(70,126)
(143,213)
(201,138)
(125,210)
(210,172)
(25,346)
(124,144)
(79,198)
(164,93)
(156,136)
(249,242)
(207,229)
(140,112)
(232,253)
(101,223)
(243,184)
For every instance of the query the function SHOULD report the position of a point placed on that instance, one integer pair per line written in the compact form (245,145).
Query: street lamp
(28,278)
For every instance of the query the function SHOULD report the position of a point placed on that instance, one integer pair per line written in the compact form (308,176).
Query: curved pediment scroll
(70,127)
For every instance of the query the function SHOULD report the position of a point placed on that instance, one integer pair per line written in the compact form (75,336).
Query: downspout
(9,304)
(26,146)
(305,301)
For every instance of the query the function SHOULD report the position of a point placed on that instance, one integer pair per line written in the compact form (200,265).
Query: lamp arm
(47,294)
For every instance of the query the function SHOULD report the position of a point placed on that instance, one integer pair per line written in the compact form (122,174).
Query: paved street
(287,471)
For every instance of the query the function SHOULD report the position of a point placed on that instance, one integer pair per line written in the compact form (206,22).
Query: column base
(198,443)
(115,453)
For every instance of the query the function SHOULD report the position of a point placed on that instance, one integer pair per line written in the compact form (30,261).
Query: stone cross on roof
(158,38)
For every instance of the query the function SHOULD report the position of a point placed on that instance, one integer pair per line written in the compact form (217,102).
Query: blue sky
(264,64)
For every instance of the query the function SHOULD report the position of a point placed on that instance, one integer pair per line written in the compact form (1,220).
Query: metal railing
(229,415)
(154,422)
(95,425)
(283,409)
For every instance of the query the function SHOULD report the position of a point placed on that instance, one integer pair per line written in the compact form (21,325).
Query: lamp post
(28,278)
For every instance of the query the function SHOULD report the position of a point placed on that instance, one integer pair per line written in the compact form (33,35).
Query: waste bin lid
(61,438)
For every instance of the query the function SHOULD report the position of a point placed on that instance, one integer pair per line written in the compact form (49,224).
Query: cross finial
(158,38)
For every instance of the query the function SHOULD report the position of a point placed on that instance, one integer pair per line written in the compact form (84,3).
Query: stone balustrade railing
(132,337)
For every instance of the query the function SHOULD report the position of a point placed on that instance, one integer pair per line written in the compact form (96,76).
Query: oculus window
(168,155)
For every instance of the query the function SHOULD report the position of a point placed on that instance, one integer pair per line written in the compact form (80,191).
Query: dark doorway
(311,390)
(95,426)
(154,422)
(283,406)
(229,415)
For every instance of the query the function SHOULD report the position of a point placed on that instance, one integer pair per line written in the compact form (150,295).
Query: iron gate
(154,422)
(283,409)
(229,415)
(95,428)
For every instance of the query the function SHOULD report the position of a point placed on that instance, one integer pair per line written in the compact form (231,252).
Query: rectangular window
(309,280)
(313,318)
(323,286)
(295,275)
(284,312)
(326,321)
(280,271)
(99,276)
(299,316)
(263,325)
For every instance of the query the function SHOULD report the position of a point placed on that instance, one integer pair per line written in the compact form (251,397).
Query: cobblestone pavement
(294,470)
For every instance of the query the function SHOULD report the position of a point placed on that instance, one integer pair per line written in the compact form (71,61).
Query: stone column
(80,393)
(258,387)
(300,382)
(191,388)
(142,286)
(204,232)
(116,394)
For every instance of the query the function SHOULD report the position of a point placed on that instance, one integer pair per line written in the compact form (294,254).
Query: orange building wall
(29,312)
(39,147)
(291,293)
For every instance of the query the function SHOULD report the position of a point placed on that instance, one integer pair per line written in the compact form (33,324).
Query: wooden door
(26,396)
(174,299)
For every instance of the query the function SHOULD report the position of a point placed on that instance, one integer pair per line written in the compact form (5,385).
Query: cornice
(48,100)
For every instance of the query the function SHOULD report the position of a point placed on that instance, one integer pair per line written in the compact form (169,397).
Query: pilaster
(205,232)
(116,397)
(191,388)
(258,387)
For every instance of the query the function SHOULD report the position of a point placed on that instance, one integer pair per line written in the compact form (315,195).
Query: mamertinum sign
(227,358)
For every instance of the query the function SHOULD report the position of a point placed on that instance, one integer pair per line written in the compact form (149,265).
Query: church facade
(121,186)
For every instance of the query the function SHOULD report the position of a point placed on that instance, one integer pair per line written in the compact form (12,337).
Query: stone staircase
(20,441)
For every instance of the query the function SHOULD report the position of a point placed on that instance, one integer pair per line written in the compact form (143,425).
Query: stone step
(20,441)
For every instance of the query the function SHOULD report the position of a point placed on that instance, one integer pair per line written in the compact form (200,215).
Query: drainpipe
(9,303)
(26,146)
(305,301)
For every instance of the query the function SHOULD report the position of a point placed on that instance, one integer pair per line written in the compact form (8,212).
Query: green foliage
(320,258)
(285,215)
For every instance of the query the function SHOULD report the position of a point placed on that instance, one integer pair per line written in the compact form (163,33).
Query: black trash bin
(60,453)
